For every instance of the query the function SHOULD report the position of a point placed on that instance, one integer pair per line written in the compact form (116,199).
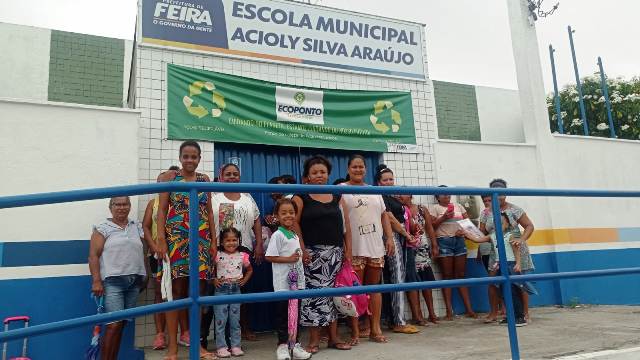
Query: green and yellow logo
(299,97)
(199,111)
(385,118)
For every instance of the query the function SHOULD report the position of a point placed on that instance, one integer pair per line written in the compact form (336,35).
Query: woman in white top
(239,210)
(371,239)
(452,248)
(116,263)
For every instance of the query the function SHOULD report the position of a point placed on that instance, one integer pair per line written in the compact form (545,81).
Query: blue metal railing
(195,301)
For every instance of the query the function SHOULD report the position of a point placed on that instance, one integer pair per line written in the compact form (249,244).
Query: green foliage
(625,108)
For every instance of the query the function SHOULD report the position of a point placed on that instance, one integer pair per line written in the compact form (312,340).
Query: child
(423,257)
(513,261)
(284,252)
(230,264)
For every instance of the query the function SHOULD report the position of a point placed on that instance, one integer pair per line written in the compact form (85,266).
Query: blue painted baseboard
(52,299)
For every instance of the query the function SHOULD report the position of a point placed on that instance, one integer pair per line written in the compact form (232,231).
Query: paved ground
(584,332)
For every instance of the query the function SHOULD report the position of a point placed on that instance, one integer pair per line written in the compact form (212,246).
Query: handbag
(350,305)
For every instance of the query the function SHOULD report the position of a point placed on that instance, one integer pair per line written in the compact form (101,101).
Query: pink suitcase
(7,321)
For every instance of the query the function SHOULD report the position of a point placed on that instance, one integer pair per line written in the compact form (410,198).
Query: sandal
(381,339)
(354,341)
(421,322)
(312,349)
(365,333)
(208,356)
(490,320)
(406,329)
(339,346)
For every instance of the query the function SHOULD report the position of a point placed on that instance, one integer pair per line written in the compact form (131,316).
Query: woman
(517,216)
(396,271)
(484,253)
(453,251)
(116,263)
(173,238)
(326,243)
(421,257)
(372,238)
(239,210)
(150,227)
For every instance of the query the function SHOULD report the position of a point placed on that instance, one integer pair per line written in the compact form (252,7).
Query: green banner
(205,105)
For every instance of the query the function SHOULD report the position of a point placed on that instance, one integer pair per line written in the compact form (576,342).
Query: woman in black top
(325,237)
(396,271)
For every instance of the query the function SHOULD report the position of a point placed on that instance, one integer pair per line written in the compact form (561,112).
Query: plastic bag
(165,281)
(350,305)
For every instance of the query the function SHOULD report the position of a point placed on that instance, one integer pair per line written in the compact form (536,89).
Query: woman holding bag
(325,238)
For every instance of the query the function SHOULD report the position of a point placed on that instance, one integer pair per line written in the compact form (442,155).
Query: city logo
(188,14)
(193,22)
(299,106)
(385,118)
(199,91)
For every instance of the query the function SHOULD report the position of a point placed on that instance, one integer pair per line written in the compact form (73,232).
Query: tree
(625,108)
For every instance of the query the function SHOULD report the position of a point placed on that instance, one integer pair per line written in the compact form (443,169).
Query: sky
(468,41)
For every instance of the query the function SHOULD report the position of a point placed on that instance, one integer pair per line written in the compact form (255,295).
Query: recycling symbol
(196,88)
(380,110)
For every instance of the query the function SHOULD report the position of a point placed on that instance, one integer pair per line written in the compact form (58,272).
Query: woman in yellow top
(149,224)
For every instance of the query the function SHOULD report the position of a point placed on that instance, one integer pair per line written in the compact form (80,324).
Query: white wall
(52,147)
(579,163)
(499,114)
(24,57)
(475,164)
(593,163)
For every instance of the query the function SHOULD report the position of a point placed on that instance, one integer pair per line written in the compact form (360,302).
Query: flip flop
(354,341)
(490,320)
(365,333)
(407,329)
(339,346)
(381,339)
(471,315)
(312,349)
(422,322)
(208,356)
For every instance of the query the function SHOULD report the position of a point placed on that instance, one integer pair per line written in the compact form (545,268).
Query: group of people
(383,238)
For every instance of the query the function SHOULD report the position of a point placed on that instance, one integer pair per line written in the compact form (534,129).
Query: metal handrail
(195,301)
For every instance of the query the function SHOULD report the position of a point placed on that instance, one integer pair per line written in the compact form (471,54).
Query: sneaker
(184,339)
(519,322)
(299,353)
(236,351)
(159,343)
(282,352)
(223,353)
